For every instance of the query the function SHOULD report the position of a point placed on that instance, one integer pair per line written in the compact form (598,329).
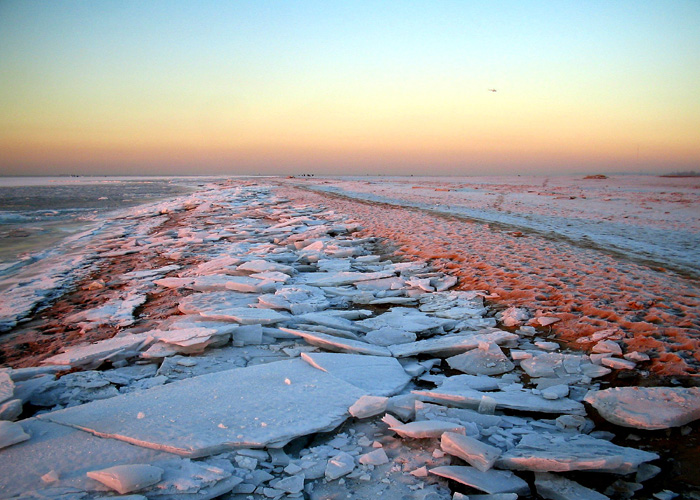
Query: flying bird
(492,90)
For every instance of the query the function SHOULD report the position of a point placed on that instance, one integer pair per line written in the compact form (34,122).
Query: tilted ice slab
(337,344)
(345,278)
(257,406)
(92,355)
(647,407)
(559,488)
(405,318)
(215,302)
(567,452)
(451,345)
(490,481)
(521,400)
(377,375)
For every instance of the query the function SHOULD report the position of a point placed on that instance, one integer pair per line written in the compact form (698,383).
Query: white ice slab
(378,375)
(215,302)
(69,452)
(451,345)
(487,359)
(345,278)
(91,355)
(476,453)
(522,400)
(542,452)
(647,407)
(337,344)
(403,318)
(424,429)
(491,481)
(262,405)
(299,299)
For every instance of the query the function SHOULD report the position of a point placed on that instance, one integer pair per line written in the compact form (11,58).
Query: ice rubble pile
(291,328)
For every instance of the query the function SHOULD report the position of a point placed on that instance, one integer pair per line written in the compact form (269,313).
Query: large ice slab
(553,487)
(337,344)
(378,375)
(647,407)
(262,405)
(566,452)
(451,345)
(68,452)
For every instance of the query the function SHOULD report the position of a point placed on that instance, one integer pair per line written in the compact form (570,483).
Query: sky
(351,88)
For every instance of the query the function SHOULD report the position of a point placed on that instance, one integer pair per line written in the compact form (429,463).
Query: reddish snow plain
(595,252)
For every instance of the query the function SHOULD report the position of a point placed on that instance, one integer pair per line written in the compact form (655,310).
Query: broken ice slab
(214,303)
(11,433)
(331,320)
(378,375)
(68,452)
(486,359)
(389,336)
(185,341)
(543,452)
(298,299)
(404,318)
(246,284)
(337,344)
(127,478)
(424,429)
(342,278)
(262,266)
(118,311)
(451,345)
(647,407)
(368,406)
(553,487)
(471,450)
(246,315)
(92,355)
(221,411)
(521,400)
(491,481)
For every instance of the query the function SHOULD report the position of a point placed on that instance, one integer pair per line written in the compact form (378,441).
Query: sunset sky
(356,87)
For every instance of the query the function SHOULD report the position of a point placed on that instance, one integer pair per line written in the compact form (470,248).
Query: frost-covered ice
(264,349)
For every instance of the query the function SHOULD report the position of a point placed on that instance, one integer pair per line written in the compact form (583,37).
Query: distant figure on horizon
(492,90)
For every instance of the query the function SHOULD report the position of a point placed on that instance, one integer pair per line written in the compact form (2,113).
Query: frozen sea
(37,212)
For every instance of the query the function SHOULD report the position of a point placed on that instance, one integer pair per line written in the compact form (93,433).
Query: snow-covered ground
(645,217)
(248,341)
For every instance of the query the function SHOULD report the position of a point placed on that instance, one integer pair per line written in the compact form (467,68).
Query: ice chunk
(7,386)
(487,359)
(262,266)
(292,484)
(513,316)
(299,299)
(553,487)
(340,465)
(118,311)
(10,410)
(474,452)
(406,319)
(220,411)
(490,481)
(647,407)
(522,400)
(376,457)
(476,382)
(605,346)
(127,478)
(11,433)
(451,345)
(336,344)
(246,315)
(92,355)
(368,406)
(567,452)
(214,303)
(422,429)
(377,375)
(341,278)
(389,336)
